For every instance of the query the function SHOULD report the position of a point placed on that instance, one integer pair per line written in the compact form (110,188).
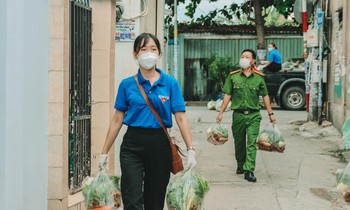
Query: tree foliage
(219,68)
(284,7)
(253,9)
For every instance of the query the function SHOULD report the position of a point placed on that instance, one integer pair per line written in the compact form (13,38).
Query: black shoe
(249,176)
(239,170)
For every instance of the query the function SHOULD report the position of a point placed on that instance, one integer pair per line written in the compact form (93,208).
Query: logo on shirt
(163,98)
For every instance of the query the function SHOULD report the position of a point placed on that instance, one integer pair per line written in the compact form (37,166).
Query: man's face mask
(244,63)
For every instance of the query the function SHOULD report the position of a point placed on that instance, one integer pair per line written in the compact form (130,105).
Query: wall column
(58,105)
(103,86)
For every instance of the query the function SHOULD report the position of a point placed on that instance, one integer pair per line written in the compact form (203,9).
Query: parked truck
(287,87)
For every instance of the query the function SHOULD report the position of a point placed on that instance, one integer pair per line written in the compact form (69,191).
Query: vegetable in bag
(217,135)
(186,191)
(343,182)
(271,139)
(101,191)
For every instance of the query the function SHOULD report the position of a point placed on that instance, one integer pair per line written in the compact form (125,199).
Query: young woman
(145,154)
(274,62)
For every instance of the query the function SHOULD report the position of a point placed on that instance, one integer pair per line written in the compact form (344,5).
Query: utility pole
(175,39)
(307,78)
(320,23)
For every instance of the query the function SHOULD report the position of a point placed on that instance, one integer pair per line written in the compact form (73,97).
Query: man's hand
(272,119)
(219,118)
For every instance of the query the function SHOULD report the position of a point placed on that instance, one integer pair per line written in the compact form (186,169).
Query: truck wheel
(293,98)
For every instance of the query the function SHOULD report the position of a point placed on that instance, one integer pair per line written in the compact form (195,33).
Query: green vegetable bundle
(217,135)
(186,191)
(271,139)
(343,182)
(101,190)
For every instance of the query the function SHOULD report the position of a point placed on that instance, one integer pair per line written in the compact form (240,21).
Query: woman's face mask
(147,60)
(244,63)
(270,49)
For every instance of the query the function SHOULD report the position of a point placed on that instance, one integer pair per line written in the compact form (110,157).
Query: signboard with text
(125,30)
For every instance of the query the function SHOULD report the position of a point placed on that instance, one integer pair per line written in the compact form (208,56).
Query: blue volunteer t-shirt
(165,96)
(275,57)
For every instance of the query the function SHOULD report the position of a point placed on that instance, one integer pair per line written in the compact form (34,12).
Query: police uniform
(246,117)
(145,154)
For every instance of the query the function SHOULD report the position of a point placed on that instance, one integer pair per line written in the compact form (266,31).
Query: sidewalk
(301,178)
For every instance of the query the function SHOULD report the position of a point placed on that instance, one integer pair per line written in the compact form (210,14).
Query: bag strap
(153,110)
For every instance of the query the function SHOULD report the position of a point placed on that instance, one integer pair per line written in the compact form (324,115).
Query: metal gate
(80,94)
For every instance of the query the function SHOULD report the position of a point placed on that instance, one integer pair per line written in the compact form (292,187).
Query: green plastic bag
(101,191)
(217,135)
(186,191)
(271,139)
(346,134)
(343,182)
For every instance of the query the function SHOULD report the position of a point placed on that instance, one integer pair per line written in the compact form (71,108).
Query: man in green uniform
(243,88)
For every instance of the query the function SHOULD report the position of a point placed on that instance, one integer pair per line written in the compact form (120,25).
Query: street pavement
(301,178)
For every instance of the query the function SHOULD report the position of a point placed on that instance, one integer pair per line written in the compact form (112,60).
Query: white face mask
(244,63)
(147,60)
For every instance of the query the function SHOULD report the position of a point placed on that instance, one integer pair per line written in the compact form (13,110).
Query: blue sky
(204,7)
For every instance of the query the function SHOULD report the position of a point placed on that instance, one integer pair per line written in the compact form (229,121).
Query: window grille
(80,94)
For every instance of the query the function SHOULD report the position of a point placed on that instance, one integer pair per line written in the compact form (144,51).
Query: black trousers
(145,159)
(274,67)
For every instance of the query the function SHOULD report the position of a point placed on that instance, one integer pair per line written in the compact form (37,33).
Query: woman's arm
(182,122)
(267,64)
(113,130)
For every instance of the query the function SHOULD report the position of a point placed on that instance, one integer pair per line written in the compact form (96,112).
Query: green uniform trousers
(245,130)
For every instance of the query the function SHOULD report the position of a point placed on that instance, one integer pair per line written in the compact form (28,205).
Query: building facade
(338,68)
(47,47)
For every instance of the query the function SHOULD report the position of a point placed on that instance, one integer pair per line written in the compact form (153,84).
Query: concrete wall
(338,73)
(3,37)
(152,22)
(58,105)
(345,59)
(103,64)
(24,42)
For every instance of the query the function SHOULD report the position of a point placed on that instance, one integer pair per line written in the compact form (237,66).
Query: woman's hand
(102,161)
(191,159)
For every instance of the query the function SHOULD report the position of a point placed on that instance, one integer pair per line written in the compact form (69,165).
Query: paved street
(301,178)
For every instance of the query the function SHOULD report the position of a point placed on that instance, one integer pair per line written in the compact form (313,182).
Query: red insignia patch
(163,98)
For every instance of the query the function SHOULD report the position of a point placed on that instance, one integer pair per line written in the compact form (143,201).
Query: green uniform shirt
(245,91)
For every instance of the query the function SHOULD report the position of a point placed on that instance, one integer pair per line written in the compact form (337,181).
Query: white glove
(102,161)
(191,159)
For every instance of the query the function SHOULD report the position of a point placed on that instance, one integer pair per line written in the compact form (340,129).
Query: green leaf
(233,11)
(219,68)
